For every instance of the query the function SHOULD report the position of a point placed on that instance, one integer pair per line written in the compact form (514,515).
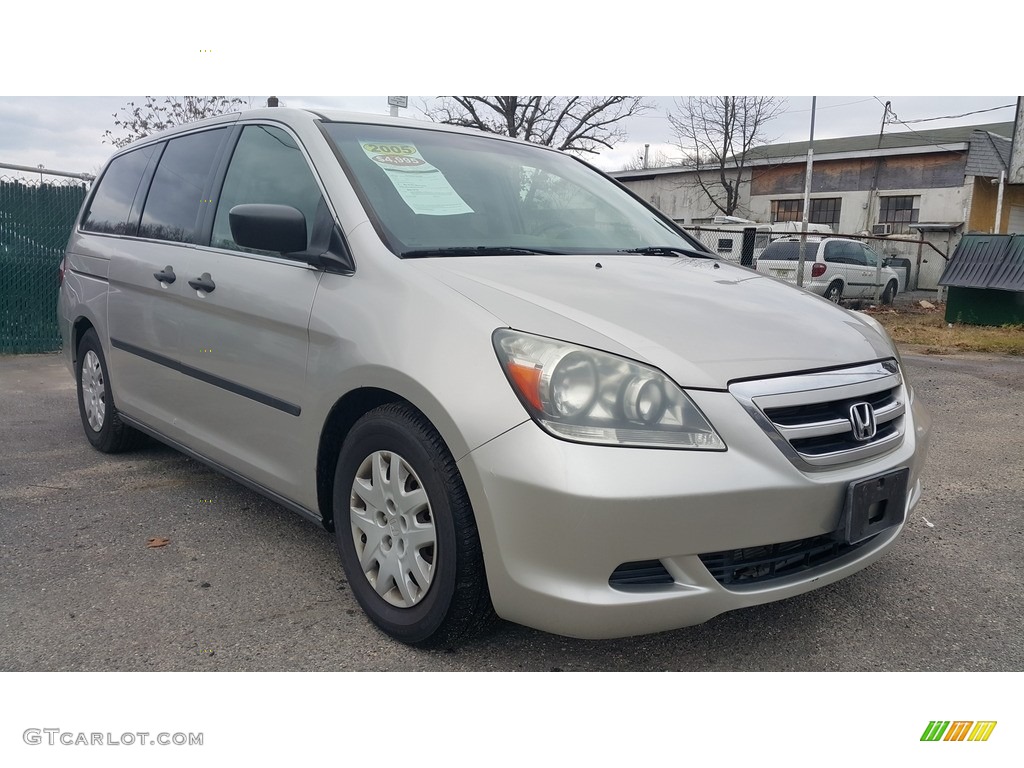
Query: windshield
(439,193)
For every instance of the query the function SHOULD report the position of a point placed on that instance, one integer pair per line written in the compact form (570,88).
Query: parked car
(834,267)
(506,384)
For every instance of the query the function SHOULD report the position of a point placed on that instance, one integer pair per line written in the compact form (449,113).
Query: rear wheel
(834,292)
(890,292)
(406,533)
(102,423)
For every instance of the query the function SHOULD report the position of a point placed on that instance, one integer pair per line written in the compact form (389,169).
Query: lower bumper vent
(640,574)
(753,565)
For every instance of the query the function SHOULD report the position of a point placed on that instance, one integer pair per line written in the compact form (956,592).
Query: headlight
(587,396)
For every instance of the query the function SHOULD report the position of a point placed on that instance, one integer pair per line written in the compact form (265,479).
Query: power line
(953,117)
(892,117)
(827,106)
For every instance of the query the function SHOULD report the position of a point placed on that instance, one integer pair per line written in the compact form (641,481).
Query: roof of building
(989,154)
(890,140)
(955,139)
(987,261)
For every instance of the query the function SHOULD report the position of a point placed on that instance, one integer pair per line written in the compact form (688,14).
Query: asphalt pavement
(244,584)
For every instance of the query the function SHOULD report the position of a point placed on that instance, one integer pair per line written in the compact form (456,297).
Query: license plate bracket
(875,504)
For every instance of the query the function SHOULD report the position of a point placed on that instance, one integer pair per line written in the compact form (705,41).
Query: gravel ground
(246,585)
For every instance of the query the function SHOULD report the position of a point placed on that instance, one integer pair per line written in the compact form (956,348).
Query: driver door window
(266,167)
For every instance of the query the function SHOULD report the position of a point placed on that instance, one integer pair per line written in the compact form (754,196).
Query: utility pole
(873,193)
(999,203)
(878,164)
(807,200)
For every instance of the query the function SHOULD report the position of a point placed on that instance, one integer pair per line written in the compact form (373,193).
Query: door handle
(167,275)
(203,283)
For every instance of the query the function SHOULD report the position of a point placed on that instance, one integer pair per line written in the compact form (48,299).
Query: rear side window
(788,251)
(111,205)
(179,189)
(267,167)
(844,252)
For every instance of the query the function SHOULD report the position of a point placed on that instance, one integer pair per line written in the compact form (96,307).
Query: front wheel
(406,533)
(834,292)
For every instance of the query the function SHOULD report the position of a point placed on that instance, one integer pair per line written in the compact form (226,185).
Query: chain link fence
(36,218)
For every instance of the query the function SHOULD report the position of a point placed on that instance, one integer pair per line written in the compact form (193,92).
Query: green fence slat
(35,224)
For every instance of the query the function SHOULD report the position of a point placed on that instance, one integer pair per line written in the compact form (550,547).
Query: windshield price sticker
(422,186)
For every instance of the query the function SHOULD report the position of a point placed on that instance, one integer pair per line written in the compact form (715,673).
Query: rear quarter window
(111,205)
(788,251)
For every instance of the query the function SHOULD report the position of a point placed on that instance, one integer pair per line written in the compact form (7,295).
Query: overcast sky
(66,132)
(105,53)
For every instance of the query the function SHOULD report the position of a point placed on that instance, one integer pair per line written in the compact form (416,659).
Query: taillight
(818,270)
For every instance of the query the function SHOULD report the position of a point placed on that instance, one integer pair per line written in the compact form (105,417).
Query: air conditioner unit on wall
(881,229)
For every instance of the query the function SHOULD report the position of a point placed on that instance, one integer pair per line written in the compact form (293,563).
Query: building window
(898,212)
(787,210)
(824,210)
(725,245)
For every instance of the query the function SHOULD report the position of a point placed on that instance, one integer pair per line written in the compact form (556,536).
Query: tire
(889,293)
(834,292)
(409,544)
(100,419)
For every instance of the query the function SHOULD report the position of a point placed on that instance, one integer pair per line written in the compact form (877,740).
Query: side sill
(298,509)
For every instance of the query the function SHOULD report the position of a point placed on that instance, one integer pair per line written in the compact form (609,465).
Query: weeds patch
(925,330)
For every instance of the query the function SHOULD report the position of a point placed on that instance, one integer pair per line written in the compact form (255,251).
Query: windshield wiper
(478,250)
(668,250)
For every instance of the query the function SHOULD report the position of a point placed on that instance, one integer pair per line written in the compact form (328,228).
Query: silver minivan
(508,386)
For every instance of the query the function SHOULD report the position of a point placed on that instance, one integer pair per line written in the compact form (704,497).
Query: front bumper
(556,519)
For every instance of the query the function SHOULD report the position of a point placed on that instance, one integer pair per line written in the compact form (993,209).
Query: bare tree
(138,121)
(638,163)
(716,134)
(583,124)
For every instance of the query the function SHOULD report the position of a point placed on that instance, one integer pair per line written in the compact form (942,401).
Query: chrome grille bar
(806,415)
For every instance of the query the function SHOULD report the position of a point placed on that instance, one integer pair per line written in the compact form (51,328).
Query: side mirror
(265,227)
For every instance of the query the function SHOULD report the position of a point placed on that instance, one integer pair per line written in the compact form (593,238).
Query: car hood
(703,322)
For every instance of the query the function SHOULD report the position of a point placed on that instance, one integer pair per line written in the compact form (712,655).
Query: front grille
(753,565)
(640,573)
(809,415)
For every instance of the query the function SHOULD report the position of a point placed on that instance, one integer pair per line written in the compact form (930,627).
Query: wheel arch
(79,327)
(340,420)
(472,410)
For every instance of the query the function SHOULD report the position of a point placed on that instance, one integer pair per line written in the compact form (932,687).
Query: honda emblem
(862,418)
